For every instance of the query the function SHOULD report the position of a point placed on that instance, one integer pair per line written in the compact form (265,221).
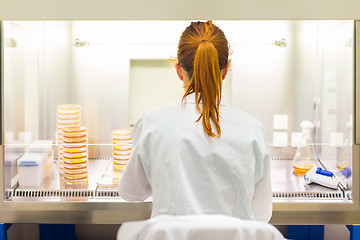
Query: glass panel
(337,96)
(282,72)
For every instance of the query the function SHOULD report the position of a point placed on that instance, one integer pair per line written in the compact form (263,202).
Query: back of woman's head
(203,52)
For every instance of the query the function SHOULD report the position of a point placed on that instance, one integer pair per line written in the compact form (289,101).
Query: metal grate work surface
(282,158)
(9,193)
(107,194)
(309,195)
(71,193)
(348,195)
(285,184)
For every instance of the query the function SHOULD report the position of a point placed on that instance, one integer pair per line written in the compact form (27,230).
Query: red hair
(203,52)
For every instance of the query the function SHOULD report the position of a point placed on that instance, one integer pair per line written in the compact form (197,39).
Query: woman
(201,156)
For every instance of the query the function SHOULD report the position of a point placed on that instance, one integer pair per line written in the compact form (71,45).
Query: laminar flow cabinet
(282,72)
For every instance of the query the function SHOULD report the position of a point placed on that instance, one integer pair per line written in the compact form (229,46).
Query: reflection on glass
(116,70)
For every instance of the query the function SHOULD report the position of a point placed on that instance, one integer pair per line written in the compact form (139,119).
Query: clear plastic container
(31,169)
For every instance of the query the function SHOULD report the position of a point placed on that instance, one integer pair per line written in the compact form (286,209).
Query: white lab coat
(188,172)
(197,227)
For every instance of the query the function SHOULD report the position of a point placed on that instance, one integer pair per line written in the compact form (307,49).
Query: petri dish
(73,166)
(75,160)
(75,139)
(121,142)
(76,181)
(119,168)
(74,134)
(120,162)
(125,147)
(68,108)
(62,125)
(75,145)
(121,153)
(121,134)
(75,170)
(75,149)
(75,154)
(108,182)
(68,116)
(121,157)
(71,176)
(75,129)
(68,121)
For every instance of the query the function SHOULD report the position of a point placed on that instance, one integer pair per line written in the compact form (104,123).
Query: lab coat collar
(191,99)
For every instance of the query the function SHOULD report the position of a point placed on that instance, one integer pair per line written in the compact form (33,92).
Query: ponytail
(205,70)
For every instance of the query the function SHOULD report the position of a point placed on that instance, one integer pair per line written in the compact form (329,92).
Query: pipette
(321,177)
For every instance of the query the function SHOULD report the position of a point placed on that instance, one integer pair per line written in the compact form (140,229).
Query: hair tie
(203,40)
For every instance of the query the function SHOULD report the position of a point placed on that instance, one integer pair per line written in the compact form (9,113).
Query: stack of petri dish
(68,115)
(75,154)
(122,144)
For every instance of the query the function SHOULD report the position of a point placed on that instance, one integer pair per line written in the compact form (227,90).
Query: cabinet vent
(308,195)
(107,194)
(9,193)
(54,193)
(282,158)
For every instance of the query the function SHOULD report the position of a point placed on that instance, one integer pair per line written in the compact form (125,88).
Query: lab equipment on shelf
(122,144)
(68,115)
(75,155)
(36,164)
(321,177)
